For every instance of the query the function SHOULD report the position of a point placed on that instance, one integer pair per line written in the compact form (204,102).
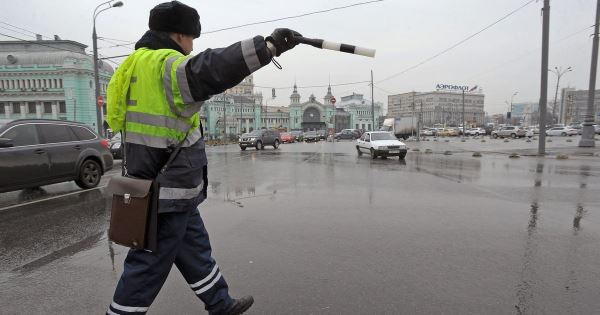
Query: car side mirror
(6,143)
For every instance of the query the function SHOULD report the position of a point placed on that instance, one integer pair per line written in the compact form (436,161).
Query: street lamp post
(587,135)
(511,107)
(559,72)
(99,122)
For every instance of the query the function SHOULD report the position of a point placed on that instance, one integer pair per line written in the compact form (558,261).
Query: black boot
(240,305)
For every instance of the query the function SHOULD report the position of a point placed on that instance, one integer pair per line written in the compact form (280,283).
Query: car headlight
(252,139)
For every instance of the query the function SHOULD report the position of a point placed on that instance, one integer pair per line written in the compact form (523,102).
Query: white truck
(402,127)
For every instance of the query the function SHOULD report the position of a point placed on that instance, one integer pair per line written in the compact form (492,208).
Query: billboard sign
(455,87)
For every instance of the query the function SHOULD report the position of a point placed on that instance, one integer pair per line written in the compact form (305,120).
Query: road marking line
(55,197)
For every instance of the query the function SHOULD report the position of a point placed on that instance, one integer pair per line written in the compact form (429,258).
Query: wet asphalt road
(315,229)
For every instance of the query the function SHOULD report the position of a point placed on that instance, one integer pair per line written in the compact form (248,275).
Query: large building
(438,107)
(525,113)
(241,110)
(49,79)
(574,105)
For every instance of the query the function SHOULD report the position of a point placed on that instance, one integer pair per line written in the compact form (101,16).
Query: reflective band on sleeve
(129,309)
(250,57)
(210,285)
(159,121)
(109,312)
(206,279)
(180,193)
(182,81)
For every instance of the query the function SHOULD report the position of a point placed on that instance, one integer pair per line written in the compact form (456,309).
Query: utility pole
(372,103)
(413,114)
(420,121)
(224,119)
(587,134)
(464,129)
(544,80)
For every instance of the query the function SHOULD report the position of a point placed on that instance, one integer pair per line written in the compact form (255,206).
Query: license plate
(394,151)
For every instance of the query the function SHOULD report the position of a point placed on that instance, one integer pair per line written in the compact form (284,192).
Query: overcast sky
(501,60)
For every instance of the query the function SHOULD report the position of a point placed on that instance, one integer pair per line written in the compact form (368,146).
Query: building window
(62,108)
(31,108)
(45,84)
(16,108)
(54,81)
(39,83)
(2,110)
(60,84)
(47,107)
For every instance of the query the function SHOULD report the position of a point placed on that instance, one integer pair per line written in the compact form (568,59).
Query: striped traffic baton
(323,44)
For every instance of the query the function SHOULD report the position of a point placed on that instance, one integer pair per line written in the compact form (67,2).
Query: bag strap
(173,155)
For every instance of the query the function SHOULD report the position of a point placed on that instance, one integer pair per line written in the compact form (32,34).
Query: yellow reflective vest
(149,98)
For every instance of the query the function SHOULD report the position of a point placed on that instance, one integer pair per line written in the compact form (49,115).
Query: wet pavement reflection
(315,229)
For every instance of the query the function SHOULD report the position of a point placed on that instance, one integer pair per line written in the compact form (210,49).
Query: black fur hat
(175,17)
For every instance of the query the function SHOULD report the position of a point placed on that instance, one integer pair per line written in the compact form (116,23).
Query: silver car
(509,131)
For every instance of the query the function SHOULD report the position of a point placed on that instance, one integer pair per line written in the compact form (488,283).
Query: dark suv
(259,139)
(37,152)
(351,134)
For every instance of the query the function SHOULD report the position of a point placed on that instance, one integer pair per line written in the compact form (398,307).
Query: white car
(475,131)
(562,131)
(380,143)
(426,132)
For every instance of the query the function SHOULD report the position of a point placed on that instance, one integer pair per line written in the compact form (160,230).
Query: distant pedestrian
(155,97)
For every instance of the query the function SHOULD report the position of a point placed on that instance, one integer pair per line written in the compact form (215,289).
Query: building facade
(525,113)
(439,107)
(241,110)
(574,106)
(51,79)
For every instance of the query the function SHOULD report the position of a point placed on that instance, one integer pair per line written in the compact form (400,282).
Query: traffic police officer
(155,97)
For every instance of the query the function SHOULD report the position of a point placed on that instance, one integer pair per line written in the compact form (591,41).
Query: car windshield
(254,133)
(311,133)
(382,136)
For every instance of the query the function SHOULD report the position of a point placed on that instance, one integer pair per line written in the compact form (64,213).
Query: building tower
(295,97)
(328,96)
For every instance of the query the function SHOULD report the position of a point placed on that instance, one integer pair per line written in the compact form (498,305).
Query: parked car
(311,136)
(298,134)
(347,134)
(38,152)
(562,131)
(259,139)
(577,127)
(509,131)
(116,148)
(380,143)
(475,132)
(287,137)
(426,132)
(322,134)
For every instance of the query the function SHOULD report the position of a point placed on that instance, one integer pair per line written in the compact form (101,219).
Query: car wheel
(495,136)
(243,148)
(373,155)
(89,176)
(513,135)
(259,145)
(358,151)
(401,156)
(564,134)
(276,144)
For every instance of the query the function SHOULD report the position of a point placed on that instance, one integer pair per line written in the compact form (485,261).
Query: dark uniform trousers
(182,238)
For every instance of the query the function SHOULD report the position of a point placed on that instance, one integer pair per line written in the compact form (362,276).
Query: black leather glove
(283,40)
